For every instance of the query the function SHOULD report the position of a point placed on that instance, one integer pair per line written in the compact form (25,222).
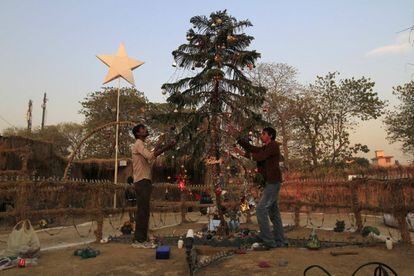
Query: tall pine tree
(219,94)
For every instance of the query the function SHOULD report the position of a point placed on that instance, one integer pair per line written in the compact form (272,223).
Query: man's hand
(161,150)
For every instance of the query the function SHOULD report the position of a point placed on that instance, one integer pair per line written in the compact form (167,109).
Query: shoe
(145,244)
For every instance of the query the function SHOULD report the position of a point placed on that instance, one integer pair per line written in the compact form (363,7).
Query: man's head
(140,131)
(268,134)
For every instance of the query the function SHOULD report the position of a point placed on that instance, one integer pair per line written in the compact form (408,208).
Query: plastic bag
(23,241)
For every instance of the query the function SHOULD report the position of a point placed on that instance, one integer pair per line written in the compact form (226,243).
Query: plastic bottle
(27,262)
(180,243)
(388,243)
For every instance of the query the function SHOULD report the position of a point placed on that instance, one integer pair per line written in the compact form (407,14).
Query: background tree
(400,121)
(329,110)
(218,94)
(280,80)
(99,108)
(64,136)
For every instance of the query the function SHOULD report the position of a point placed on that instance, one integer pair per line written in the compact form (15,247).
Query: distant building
(382,160)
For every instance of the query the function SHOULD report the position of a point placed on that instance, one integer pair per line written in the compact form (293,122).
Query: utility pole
(29,115)
(44,110)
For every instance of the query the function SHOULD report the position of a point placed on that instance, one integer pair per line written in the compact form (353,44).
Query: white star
(120,65)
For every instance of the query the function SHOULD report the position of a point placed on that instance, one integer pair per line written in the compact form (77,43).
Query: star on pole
(120,65)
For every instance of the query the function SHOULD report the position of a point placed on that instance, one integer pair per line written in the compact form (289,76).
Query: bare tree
(282,86)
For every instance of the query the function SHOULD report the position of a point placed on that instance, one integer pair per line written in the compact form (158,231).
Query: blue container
(162,253)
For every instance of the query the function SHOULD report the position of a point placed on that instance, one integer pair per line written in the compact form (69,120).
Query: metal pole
(44,110)
(116,139)
(29,116)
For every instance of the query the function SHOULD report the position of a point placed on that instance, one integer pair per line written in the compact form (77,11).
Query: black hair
(271,131)
(136,129)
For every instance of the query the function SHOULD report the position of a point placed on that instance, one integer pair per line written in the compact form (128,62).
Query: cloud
(402,45)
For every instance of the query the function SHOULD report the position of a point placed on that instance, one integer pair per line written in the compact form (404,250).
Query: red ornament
(181,184)
(218,191)
(22,263)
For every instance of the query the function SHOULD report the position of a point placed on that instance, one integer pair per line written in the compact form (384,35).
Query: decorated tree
(218,94)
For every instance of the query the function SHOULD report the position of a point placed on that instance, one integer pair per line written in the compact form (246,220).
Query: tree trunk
(215,152)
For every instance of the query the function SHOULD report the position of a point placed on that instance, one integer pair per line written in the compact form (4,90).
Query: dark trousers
(143,189)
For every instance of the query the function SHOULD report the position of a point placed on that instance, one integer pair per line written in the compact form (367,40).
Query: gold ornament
(231,38)
(244,207)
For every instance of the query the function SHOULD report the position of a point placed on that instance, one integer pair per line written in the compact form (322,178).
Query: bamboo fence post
(297,205)
(21,203)
(183,208)
(355,207)
(400,212)
(100,215)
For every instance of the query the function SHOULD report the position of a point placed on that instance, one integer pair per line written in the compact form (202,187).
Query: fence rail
(33,198)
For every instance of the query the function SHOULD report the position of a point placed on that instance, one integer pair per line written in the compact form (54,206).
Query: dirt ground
(122,259)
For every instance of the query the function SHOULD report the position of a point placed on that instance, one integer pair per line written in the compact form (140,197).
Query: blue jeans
(268,208)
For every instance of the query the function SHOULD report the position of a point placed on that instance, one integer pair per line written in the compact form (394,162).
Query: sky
(51,46)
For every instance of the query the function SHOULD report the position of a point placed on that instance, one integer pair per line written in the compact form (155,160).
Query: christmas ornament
(219,21)
(164,91)
(174,64)
(218,191)
(175,110)
(217,58)
(213,25)
(250,66)
(181,183)
(231,38)
(120,65)
(244,207)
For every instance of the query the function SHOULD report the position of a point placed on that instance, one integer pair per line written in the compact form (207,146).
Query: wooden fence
(36,198)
